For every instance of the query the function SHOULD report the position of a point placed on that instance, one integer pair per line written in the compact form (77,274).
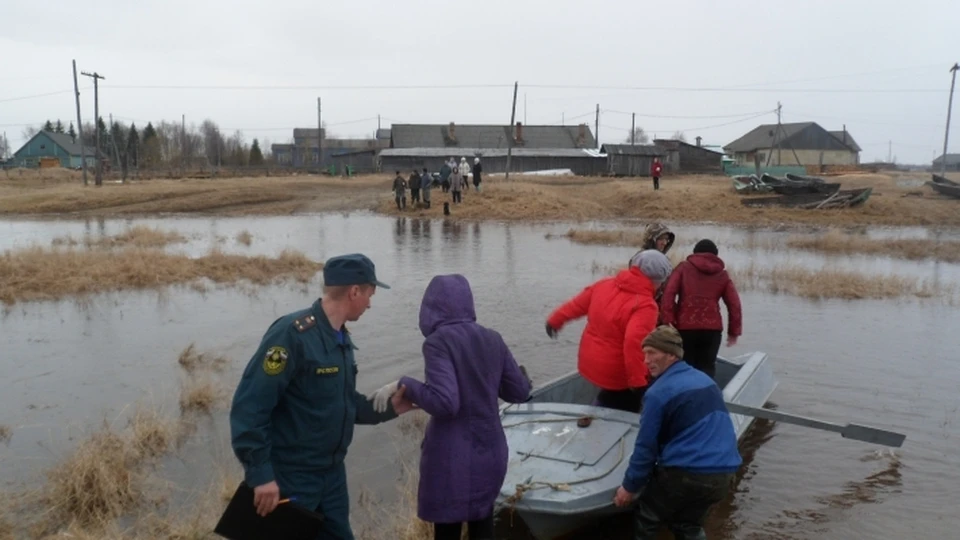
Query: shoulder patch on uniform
(275,361)
(305,323)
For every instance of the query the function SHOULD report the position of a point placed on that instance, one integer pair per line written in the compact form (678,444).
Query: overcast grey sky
(880,67)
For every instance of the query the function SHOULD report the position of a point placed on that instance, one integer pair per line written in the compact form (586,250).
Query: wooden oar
(856,432)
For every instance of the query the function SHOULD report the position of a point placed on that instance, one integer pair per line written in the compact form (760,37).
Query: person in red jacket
(691,303)
(620,312)
(656,170)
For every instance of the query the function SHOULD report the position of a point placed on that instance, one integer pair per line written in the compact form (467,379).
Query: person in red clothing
(620,312)
(691,303)
(656,170)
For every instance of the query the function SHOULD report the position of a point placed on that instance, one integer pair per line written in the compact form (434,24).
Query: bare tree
(213,142)
(4,146)
(639,136)
(28,132)
(679,136)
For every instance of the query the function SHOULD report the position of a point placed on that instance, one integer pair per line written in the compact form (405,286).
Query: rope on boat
(530,485)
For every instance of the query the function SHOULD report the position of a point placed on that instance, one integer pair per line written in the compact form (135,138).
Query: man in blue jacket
(294,410)
(686,451)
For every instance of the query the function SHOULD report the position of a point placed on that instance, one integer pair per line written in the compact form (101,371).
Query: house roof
(846,138)
(649,150)
(489,152)
(675,143)
(63,141)
(796,136)
(488,136)
(952,159)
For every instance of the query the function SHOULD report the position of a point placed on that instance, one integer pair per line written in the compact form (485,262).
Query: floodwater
(69,365)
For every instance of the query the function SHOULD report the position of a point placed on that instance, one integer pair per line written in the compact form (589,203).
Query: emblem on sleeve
(275,361)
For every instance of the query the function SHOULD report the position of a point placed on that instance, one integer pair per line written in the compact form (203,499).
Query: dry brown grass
(151,433)
(6,433)
(100,481)
(832,283)
(685,198)
(400,521)
(681,198)
(245,237)
(822,284)
(139,236)
(234,196)
(200,394)
(49,274)
(837,242)
(622,237)
(191,360)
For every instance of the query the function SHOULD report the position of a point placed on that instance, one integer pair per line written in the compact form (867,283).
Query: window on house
(761,156)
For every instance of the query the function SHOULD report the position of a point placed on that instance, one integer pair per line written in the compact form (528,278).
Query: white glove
(382,396)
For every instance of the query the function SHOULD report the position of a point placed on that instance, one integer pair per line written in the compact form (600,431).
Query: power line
(841,76)
(688,117)
(34,96)
(545,86)
(729,89)
(311,87)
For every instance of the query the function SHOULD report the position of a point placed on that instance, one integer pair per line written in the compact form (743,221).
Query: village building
(49,149)
(953,162)
(631,159)
(801,144)
(305,148)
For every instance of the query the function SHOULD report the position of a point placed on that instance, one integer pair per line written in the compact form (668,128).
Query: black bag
(240,520)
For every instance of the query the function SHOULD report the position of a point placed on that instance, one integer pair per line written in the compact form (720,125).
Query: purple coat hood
(467,370)
(447,300)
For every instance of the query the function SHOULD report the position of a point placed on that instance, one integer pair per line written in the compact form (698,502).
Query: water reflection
(825,355)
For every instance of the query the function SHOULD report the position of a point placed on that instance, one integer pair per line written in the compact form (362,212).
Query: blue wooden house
(46,146)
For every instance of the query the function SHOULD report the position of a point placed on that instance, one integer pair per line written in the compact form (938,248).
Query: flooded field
(70,364)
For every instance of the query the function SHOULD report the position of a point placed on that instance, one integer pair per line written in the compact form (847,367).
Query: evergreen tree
(149,147)
(105,148)
(133,146)
(58,128)
(48,126)
(256,156)
(72,132)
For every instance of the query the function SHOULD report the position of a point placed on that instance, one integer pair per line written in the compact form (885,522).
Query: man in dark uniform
(293,412)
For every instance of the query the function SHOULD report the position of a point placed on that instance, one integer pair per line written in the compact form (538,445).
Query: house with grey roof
(534,148)
(801,143)
(303,151)
(953,162)
(455,136)
(47,147)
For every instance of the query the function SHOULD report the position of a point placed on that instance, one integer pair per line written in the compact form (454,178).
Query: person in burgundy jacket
(620,312)
(691,304)
(656,171)
(468,367)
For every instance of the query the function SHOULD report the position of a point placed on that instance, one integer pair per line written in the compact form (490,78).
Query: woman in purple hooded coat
(464,454)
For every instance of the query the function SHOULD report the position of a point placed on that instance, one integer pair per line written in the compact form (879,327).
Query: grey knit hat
(653,264)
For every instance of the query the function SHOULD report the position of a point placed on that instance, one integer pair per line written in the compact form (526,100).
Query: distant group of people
(651,341)
(294,410)
(452,178)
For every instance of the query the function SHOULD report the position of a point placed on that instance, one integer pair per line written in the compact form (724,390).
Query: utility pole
(953,82)
(96,122)
(633,129)
(378,122)
(83,147)
(889,151)
(779,108)
(183,142)
(320,135)
(596,127)
(563,119)
(524,108)
(513,117)
(116,151)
